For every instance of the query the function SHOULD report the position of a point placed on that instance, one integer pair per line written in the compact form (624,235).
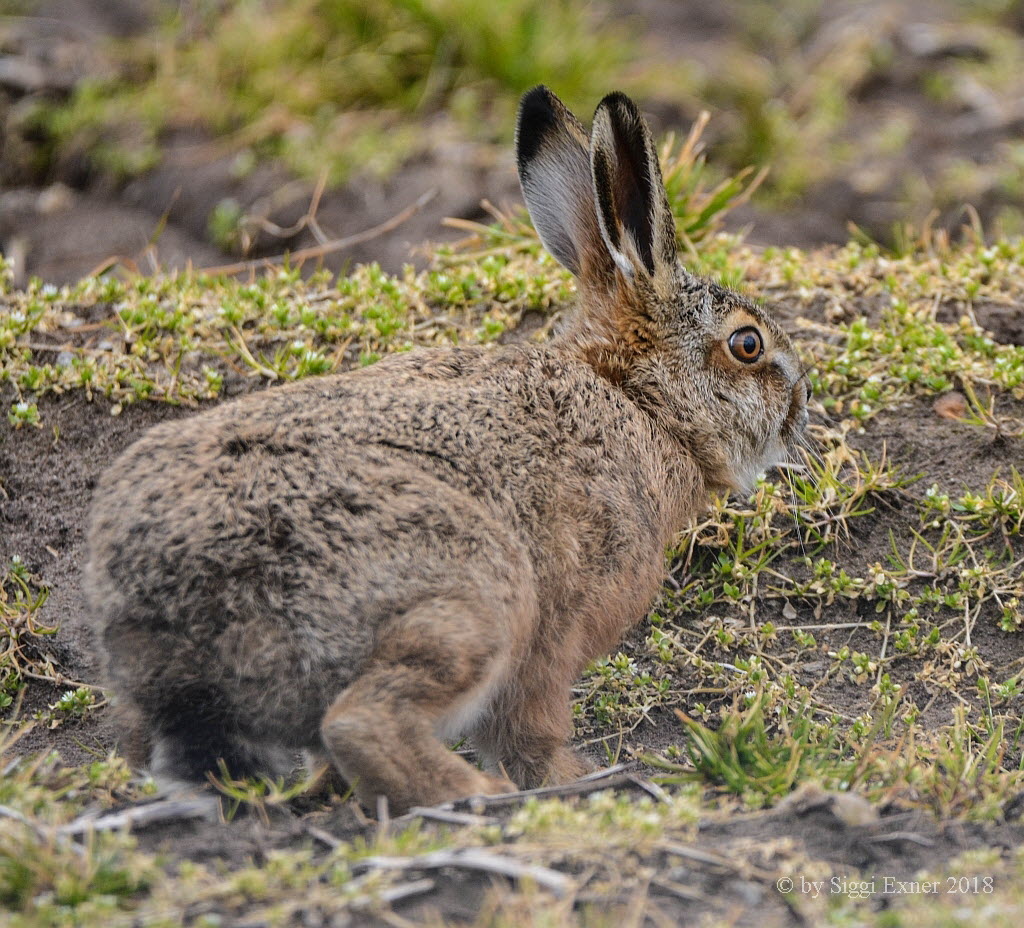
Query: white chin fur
(743,482)
(744,474)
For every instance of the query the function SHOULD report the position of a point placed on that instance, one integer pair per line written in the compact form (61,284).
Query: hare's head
(715,368)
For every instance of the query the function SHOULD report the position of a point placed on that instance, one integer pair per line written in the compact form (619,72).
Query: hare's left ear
(632,207)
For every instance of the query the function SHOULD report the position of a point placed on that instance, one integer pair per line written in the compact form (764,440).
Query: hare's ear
(553,156)
(632,206)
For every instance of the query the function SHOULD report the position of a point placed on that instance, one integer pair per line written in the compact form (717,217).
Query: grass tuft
(336,85)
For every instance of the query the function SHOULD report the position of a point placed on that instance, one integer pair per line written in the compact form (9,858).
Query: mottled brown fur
(363,564)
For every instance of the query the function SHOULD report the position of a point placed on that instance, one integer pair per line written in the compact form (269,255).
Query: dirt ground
(69,224)
(48,474)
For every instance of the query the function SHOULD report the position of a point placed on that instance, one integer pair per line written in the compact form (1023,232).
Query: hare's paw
(492,785)
(324,780)
(566,766)
(471,783)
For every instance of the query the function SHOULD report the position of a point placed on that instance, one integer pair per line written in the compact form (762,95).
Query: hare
(363,565)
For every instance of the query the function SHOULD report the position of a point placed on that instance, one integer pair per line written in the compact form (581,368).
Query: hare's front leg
(528,730)
(434,668)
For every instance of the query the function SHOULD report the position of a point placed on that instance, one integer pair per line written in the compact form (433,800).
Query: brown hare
(366,564)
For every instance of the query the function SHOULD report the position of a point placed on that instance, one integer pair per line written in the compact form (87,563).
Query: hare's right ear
(553,156)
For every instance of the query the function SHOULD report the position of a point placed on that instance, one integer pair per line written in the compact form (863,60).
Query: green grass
(22,636)
(334,85)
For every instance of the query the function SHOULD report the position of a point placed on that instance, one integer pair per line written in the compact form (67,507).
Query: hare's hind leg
(435,668)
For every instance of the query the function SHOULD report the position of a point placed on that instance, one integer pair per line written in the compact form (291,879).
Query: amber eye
(746,344)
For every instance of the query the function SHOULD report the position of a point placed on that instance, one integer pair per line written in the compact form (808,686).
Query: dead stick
(143,816)
(324,837)
(318,251)
(895,837)
(448,816)
(474,859)
(592,783)
(393,894)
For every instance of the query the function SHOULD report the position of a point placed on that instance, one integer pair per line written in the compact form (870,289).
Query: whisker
(812,447)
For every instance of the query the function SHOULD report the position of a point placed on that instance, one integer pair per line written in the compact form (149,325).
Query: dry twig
(154,813)
(474,859)
(319,251)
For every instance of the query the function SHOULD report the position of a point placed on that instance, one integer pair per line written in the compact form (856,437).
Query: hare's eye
(746,344)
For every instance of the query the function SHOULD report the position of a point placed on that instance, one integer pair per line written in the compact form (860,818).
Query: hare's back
(248,557)
(393,468)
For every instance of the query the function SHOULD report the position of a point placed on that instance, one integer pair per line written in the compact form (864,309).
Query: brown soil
(47,478)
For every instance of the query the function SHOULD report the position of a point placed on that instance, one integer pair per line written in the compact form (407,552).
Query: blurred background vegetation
(220,118)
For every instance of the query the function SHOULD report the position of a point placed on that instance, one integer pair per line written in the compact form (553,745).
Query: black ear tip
(621,106)
(535,95)
(536,108)
(538,114)
(620,115)
(615,97)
